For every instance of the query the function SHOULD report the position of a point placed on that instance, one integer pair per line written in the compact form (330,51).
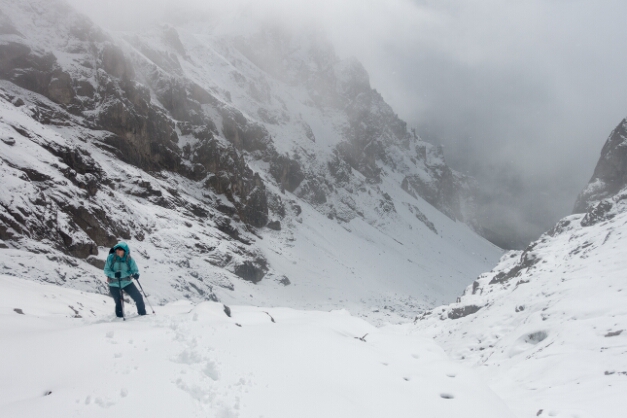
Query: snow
(384,265)
(552,340)
(546,340)
(192,360)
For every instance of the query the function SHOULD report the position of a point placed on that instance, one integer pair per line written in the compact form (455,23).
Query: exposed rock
(144,136)
(115,63)
(252,271)
(96,262)
(313,191)
(255,209)
(527,260)
(79,249)
(171,38)
(27,69)
(286,172)
(243,134)
(599,212)
(456,313)
(60,88)
(610,174)
(422,217)
(274,225)
(440,190)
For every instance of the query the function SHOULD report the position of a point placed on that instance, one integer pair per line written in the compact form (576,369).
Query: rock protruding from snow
(610,174)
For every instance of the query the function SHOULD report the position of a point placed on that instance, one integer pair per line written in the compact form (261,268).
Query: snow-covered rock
(242,163)
(610,174)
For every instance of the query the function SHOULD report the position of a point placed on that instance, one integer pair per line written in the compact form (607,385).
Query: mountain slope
(548,325)
(220,169)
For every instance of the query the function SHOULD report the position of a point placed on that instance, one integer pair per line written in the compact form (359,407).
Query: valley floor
(65,355)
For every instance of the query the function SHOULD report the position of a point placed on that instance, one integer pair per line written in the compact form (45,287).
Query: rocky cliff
(199,145)
(610,174)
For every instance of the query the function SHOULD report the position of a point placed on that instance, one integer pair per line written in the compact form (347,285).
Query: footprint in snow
(104,403)
(188,357)
(211,371)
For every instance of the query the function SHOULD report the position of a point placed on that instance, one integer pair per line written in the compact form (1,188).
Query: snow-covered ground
(543,333)
(550,335)
(192,360)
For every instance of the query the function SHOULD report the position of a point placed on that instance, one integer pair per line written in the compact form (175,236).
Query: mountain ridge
(547,324)
(177,142)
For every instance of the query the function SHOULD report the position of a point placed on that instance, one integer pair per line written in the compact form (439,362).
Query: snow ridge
(547,325)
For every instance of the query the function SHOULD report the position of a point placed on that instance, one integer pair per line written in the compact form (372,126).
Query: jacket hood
(123,246)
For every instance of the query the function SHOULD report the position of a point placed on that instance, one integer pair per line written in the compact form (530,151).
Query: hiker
(120,269)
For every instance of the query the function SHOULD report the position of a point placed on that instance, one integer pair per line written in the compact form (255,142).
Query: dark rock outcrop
(610,174)
(460,312)
(287,172)
(252,271)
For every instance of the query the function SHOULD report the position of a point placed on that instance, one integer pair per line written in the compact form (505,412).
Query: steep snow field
(550,334)
(349,237)
(191,360)
(387,270)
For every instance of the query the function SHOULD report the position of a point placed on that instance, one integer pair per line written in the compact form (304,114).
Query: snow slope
(547,327)
(74,181)
(191,360)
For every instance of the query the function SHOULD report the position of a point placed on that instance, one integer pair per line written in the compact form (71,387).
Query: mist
(521,94)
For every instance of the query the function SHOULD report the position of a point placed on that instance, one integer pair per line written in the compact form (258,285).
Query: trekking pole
(121,298)
(142,289)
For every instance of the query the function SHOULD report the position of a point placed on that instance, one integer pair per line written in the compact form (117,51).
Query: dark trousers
(132,291)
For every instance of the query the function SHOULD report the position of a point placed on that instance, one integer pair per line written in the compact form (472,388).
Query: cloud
(528,88)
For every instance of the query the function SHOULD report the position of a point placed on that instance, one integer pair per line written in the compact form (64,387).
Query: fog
(521,94)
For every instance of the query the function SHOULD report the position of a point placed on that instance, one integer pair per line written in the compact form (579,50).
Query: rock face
(450,192)
(190,142)
(610,174)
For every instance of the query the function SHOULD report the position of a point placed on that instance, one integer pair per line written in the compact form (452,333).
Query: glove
(135,276)
(118,274)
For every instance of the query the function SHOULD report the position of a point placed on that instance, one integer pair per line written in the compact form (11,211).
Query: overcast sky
(522,94)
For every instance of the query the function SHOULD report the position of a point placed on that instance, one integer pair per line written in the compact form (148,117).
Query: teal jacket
(125,265)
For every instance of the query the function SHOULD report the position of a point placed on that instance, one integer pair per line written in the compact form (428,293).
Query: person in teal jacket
(120,269)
